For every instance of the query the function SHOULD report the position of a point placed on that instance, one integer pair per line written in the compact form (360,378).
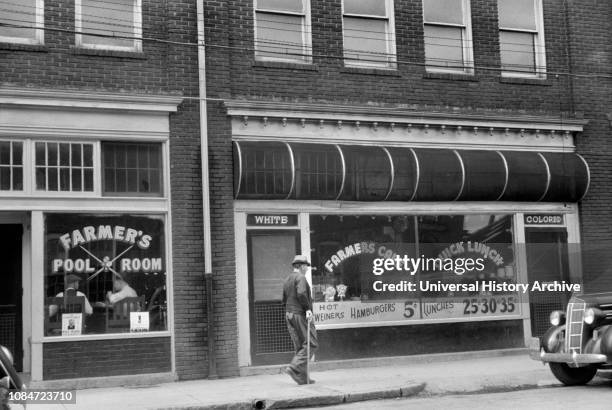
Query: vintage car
(579,342)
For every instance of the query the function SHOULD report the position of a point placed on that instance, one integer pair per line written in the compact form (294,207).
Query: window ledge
(523,80)
(286,65)
(392,72)
(451,76)
(137,55)
(23,47)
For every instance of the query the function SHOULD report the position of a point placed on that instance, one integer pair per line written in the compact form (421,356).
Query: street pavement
(431,375)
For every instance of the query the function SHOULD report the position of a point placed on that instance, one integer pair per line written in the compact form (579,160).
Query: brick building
(361,130)
(355,130)
(101,180)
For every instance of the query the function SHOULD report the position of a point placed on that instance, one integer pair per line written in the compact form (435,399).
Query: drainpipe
(208,276)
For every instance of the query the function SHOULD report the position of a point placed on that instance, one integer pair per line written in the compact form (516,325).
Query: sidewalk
(500,373)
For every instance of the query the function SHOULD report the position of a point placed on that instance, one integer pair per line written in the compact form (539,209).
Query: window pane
(18,178)
(76,180)
(76,154)
(64,154)
(443,11)
(279,36)
(88,177)
(52,154)
(132,171)
(155,181)
(20,13)
(370,7)
(40,153)
(517,51)
(517,14)
(88,155)
(5,178)
(365,39)
(110,19)
(17,153)
(281,5)
(52,179)
(41,176)
(64,179)
(140,262)
(443,46)
(5,153)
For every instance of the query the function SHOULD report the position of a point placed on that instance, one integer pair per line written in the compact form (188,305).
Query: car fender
(552,341)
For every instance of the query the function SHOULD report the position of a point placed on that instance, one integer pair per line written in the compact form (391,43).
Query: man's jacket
(296,294)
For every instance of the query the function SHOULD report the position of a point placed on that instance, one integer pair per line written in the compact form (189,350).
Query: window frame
(12,166)
(69,194)
(467,51)
(162,179)
(306,57)
(539,45)
(391,62)
(39,32)
(137,34)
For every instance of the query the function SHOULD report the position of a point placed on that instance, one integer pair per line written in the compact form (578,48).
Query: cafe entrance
(11,321)
(270,253)
(547,261)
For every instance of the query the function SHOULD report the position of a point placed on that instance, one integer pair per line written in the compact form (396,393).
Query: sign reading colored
(543,219)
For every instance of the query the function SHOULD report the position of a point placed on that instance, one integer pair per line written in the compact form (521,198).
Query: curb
(312,401)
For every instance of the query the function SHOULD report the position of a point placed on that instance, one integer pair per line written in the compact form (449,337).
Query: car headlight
(591,315)
(8,354)
(557,318)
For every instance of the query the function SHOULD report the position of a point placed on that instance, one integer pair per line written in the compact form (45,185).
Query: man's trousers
(297,326)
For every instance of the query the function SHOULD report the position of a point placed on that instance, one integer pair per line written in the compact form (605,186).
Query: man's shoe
(294,376)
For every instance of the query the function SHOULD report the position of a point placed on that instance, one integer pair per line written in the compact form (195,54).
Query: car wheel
(572,376)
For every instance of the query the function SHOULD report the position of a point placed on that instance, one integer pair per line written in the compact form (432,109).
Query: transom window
(369,33)
(109,24)
(21,21)
(81,168)
(521,38)
(11,166)
(64,167)
(132,169)
(282,30)
(448,35)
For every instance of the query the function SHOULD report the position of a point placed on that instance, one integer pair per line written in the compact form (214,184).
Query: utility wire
(297,55)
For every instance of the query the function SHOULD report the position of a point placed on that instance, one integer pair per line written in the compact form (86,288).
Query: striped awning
(288,170)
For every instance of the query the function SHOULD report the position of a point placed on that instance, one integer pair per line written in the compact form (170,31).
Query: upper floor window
(115,25)
(448,35)
(368,33)
(282,30)
(521,38)
(21,21)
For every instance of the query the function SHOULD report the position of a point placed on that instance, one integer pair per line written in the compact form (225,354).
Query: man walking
(297,300)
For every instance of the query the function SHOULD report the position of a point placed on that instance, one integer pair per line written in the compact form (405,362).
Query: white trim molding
(394,126)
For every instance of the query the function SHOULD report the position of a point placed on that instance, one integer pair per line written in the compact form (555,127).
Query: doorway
(270,253)
(547,261)
(11,318)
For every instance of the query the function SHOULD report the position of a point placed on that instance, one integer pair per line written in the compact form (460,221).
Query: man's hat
(300,259)
(73,278)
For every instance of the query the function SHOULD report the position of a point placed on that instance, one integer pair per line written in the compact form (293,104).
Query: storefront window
(438,267)
(104,274)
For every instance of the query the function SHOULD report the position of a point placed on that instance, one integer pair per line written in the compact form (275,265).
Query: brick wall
(65,360)
(591,50)
(168,66)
